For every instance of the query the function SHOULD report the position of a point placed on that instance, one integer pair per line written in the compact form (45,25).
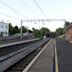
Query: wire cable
(27,7)
(40,8)
(9,16)
(13,9)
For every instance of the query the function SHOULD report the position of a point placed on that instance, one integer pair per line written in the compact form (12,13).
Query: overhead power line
(24,3)
(40,8)
(13,9)
(9,16)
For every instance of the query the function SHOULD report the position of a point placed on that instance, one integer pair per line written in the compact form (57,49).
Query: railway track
(12,48)
(20,65)
(21,52)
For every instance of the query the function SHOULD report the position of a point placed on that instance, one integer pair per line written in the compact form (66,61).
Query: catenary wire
(13,9)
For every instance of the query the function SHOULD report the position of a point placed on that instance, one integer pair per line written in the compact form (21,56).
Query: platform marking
(31,63)
(56,59)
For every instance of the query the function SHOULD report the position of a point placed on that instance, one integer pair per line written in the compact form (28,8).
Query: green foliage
(44,31)
(67,24)
(15,30)
(59,31)
(41,32)
(30,31)
(23,29)
(61,36)
(36,32)
(10,29)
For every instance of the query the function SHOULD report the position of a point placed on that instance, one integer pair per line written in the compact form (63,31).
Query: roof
(3,22)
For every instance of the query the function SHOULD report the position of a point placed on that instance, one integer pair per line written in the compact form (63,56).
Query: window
(6,26)
(1,26)
(6,33)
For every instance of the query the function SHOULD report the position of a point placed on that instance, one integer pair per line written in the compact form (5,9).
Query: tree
(41,32)
(10,29)
(23,29)
(15,30)
(30,31)
(59,31)
(44,31)
(67,24)
(36,32)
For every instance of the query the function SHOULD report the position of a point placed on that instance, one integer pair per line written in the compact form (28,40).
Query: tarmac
(64,54)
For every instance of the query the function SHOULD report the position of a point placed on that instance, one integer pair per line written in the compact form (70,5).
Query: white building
(4,29)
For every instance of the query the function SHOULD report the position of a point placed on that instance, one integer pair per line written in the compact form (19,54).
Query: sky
(15,10)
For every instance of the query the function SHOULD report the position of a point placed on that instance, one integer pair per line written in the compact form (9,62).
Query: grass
(61,36)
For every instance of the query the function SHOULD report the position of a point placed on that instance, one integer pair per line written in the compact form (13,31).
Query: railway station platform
(64,55)
(16,42)
(43,62)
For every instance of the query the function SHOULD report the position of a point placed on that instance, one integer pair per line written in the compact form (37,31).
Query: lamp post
(8,26)
(42,27)
(39,28)
(21,29)
(65,28)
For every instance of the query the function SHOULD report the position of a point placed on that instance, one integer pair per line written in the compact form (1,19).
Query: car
(25,33)
(17,34)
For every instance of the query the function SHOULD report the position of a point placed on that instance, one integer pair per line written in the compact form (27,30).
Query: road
(64,54)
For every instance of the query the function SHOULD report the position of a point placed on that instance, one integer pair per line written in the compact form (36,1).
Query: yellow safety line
(56,60)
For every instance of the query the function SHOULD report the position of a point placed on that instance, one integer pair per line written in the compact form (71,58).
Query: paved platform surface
(64,54)
(17,42)
(13,40)
(44,63)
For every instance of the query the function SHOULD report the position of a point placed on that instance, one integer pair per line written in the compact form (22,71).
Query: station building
(69,33)
(4,29)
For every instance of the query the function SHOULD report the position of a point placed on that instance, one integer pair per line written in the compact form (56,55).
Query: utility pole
(41,30)
(65,24)
(21,29)
(65,28)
